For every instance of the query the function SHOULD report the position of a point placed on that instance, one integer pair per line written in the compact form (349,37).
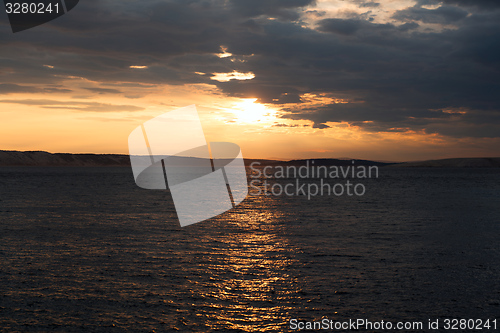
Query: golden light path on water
(250,286)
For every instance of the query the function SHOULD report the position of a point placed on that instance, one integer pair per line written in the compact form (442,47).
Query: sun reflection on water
(249,286)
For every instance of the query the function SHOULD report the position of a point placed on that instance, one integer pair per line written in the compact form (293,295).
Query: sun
(250,112)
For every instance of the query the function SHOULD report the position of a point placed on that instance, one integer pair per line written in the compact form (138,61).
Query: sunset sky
(393,80)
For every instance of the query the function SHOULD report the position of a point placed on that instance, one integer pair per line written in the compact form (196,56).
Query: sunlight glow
(224,53)
(249,111)
(225,77)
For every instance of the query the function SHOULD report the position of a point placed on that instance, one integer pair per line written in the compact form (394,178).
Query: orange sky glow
(257,128)
(80,115)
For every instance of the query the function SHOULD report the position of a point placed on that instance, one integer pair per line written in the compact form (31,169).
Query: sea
(86,250)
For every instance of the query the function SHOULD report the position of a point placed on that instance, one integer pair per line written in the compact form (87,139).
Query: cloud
(9,88)
(280,8)
(224,77)
(370,4)
(287,125)
(440,15)
(351,26)
(320,126)
(72,105)
(340,26)
(57,90)
(365,3)
(394,74)
(483,4)
(104,90)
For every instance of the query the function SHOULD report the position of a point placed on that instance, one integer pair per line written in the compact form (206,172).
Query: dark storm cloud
(351,26)
(340,26)
(280,8)
(440,15)
(475,3)
(396,76)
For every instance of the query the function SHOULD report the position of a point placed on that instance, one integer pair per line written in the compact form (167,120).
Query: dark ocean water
(85,250)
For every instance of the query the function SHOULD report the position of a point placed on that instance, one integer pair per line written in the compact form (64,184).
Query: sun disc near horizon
(248,111)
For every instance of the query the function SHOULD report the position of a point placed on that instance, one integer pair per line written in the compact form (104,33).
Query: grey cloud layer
(401,76)
(440,15)
(73,105)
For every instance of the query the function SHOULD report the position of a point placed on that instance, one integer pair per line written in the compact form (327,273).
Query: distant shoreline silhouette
(42,158)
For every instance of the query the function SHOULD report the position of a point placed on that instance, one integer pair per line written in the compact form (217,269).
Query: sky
(391,80)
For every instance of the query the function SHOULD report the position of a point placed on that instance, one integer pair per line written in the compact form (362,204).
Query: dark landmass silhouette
(327,162)
(46,159)
(478,162)
(42,159)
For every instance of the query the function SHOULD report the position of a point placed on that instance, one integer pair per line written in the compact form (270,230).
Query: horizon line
(261,158)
